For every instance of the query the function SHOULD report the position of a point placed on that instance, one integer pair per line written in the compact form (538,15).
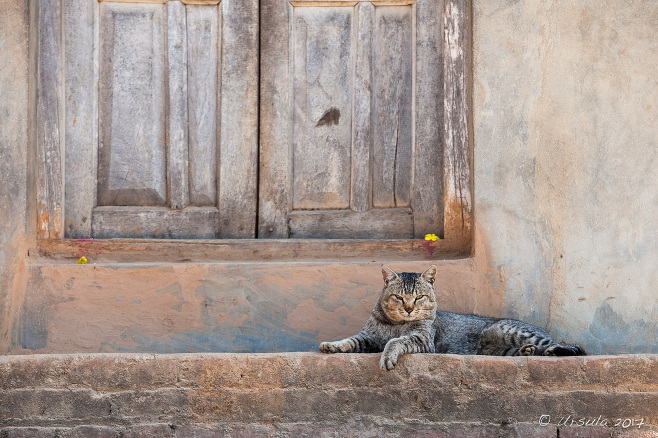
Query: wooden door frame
(46,171)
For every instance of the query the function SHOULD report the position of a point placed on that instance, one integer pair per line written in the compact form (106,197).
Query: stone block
(64,406)
(168,404)
(534,430)
(472,431)
(632,372)
(645,431)
(148,431)
(555,372)
(223,431)
(32,432)
(585,432)
(91,432)
(492,372)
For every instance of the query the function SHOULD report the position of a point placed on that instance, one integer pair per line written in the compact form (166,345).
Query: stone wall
(303,394)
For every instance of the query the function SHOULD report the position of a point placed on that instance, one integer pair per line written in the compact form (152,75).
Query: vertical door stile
(392,88)
(176,106)
(457,172)
(414,108)
(362,129)
(218,109)
(81,115)
(287,148)
(276,109)
(239,111)
(50,120)
(429,120)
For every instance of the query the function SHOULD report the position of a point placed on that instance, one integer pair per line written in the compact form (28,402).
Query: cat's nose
(409,310)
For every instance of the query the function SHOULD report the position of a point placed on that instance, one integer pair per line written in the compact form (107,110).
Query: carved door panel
(351,119)
(174,119)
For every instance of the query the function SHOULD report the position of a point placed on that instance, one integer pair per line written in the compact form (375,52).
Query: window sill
(249,250)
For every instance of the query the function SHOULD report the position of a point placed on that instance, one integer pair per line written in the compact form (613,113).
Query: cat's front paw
(329,347)
(527,350)
(388,361)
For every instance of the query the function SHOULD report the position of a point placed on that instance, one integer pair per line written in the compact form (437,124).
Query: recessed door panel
(131,155)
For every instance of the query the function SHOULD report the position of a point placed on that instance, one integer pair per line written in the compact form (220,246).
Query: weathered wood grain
(275,191)
(81,115)
(186,2)
(322,42)
(362,129)
(155,222)
(392,133)
(50,120)
(394,3)
(428,154)
(323,3)
(178,194)
(456,167)
(246,250)
(204,96)
(389,223)
(132,158)
(397,153)
(359,71)
(200,2)
(346,3)
(239,115)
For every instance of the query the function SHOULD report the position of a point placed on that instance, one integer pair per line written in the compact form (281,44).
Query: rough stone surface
(309,394)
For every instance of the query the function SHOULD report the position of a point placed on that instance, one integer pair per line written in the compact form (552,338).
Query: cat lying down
(405,320)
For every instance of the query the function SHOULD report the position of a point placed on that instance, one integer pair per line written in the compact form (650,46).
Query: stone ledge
(271,390)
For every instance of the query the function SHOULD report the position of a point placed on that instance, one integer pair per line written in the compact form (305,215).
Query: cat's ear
(429,274)
(388,274)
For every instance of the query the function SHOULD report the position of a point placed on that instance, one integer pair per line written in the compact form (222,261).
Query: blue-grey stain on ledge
(330,117)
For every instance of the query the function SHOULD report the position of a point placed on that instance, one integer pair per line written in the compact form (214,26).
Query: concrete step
(311,394)
(255,307)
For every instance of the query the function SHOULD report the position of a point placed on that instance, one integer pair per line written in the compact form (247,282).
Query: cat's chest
(390,331)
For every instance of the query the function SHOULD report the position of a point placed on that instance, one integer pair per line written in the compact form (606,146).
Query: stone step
(311,394)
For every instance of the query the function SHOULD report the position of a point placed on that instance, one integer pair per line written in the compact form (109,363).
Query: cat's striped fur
(405,320)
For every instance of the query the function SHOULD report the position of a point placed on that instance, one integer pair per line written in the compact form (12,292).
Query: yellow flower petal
(431,237)
(82,261)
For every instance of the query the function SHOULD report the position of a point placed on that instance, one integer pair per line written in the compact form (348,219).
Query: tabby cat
(405,320)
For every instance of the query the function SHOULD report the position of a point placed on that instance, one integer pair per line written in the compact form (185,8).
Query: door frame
(47,129)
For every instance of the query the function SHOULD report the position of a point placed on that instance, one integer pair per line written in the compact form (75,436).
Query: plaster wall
(566,165)
(13,162)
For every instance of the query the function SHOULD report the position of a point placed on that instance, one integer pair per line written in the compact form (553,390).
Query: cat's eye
(398,297)
(420,298)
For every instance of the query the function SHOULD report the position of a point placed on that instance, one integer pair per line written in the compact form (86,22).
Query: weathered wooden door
(352,122)
(170,130)
(161,118)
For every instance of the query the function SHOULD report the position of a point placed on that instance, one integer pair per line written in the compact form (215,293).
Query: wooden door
(167,90)
(147,118)
(352,119)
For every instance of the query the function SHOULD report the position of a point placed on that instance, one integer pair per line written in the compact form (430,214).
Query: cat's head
(408,296)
